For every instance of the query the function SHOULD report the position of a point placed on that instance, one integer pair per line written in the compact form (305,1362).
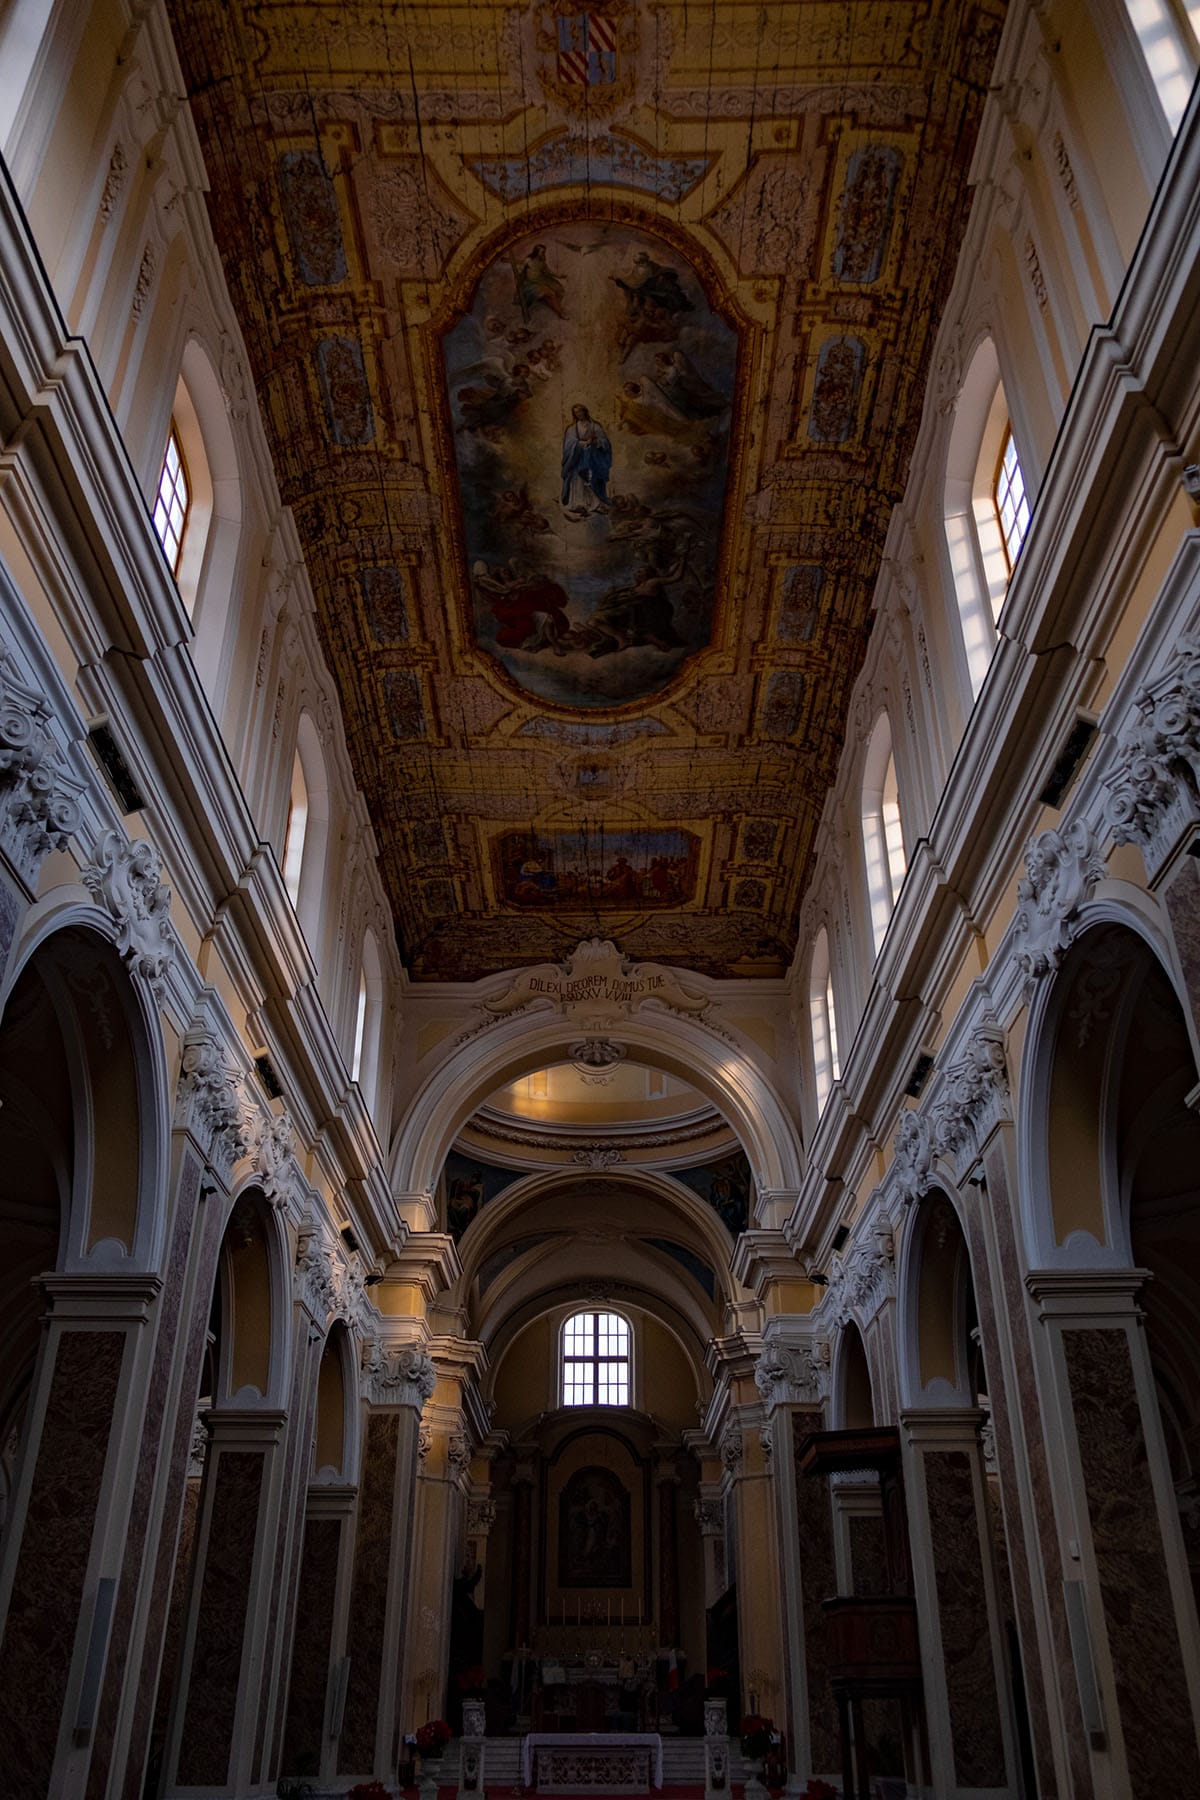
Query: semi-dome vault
(592,356)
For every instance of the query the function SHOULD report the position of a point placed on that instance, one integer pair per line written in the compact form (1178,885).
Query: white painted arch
(719,1069)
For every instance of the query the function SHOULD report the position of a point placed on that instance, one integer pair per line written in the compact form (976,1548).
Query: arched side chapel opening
(974,1685)
(1113,1226)
(80,1172)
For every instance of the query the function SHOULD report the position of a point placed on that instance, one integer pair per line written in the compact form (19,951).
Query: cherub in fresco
(514,511)
(682,385)
(543,360)
(538,285)
(586,465)
(494,396)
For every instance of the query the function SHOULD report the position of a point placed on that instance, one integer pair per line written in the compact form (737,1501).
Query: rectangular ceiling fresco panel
(591,373)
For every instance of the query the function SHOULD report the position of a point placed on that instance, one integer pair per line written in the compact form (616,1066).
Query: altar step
(683,1762)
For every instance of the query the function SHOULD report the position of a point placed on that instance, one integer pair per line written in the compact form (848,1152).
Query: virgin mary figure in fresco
(586,465)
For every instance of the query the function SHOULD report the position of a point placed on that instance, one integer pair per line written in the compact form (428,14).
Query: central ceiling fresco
(591,344)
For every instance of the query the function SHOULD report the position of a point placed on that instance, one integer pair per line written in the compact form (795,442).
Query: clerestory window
(1009,499)
(174,501)
(595,1360)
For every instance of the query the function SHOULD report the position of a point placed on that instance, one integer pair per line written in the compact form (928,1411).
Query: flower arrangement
(433,1736)
(473,1680)
(369,1790)
(757,1734)
(819,1790)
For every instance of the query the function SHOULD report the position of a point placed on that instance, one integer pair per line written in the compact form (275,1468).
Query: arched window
(1008,498)
(883,836)
(173,501)
(595,1360)
(1169,33)
(296,831)
(368,1019)
(986,507)
(823,1020)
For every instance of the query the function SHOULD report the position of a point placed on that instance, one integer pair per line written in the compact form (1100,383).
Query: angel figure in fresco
(538,285)
(654,299)
(586,465)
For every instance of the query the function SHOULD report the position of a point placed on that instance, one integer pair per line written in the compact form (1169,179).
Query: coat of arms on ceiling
(588,55)
(591,386)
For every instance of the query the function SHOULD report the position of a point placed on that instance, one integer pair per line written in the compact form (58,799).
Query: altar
(592,1762)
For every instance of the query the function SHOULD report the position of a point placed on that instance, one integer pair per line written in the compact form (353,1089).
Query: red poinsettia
(369,1790)
(757,1733)
(433,1735)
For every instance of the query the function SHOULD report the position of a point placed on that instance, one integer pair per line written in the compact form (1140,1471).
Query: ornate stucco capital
(401,1375)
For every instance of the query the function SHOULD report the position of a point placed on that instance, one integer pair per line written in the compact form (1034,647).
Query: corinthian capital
(397,1376)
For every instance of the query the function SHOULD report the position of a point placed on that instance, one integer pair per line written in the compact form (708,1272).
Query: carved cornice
(1062,868)
(39,798)
(126,880)
(1155,781)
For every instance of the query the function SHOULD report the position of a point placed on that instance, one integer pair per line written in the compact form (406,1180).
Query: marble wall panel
(368,1592)
(818,1578)
(297,1451)
(215,1672)
(1156,1718)
(173,1633)
(47,1592)
(147,1734)
(962,1611)
(312,1647)
(868,1559)
(303,1458)
(1031,1457)
(169,1307)
(1183,909)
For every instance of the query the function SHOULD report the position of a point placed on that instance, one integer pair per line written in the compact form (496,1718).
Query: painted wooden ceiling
(591,344)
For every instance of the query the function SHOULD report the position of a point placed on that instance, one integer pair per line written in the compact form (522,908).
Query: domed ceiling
(591,343)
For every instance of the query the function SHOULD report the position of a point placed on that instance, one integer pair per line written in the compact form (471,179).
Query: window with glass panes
(1012,508)
(174,497)
(595,1360)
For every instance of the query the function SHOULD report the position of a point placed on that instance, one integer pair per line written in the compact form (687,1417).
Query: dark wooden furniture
(871,1646)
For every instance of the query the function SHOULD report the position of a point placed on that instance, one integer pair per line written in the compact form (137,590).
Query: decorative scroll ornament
(481,1516)
(210,1102)
(424,1442)
(791,1375)
(766,1437)
(458,1453)
(1154,787)
(716,1719)
(710,1517)
(597,987)
(1062,869)
(915,1156)
(864,1278)
(732,1449)
(39,801)
(274,1150)
(398,1377)
(316,1281)
(598,1156)
(975,1096)
(126,880)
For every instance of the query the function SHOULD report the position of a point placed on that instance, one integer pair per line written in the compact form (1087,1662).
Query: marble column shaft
(668,1560)
(318,1638)
(377,1643)
(964,1666)
(68,1525)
